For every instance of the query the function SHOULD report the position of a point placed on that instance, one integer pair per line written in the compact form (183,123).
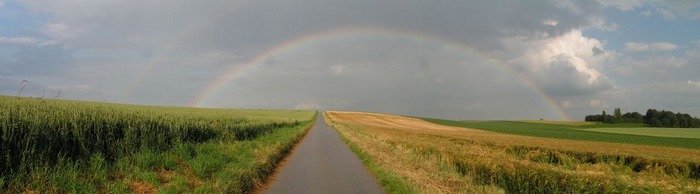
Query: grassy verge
(571,132)
(442,159)
(53,146)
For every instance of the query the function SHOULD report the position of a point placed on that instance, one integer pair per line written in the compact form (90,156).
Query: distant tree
(605,117)
(632,117)
(684,120)
(653,118)
(655,122)
(651,114)
(618,114)
(667,118)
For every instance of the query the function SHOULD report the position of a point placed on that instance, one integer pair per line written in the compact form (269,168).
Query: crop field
(410,155)
(652,131)
(570,123)
(57,146)
(583,132)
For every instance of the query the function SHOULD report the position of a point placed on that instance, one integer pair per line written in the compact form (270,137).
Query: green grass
(652,131)
(86,147)
(571,123)
(571,132)
(616,125)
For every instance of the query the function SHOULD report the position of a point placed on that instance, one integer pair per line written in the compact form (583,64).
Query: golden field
(430,158)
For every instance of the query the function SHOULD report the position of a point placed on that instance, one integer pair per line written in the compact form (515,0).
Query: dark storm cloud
(243,24)
(176,48)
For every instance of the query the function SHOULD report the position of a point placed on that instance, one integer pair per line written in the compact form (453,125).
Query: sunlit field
(410,155)
(69,146)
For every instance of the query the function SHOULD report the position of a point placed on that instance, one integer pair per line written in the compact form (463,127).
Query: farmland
(648,131)
(583,132)
(570,123)
(68,146)
(413,155)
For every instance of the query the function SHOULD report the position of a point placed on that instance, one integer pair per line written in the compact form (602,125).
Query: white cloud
(26,41)
(624,5)
(694,84)
(2,4)
(551,22)
(650,47)
(565,65)
(603,25)
(646,13)
(666,13)
(18,40)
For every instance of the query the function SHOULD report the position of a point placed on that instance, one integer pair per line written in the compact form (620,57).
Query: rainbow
(161,56)
(237,69)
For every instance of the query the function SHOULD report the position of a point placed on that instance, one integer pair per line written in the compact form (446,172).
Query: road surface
(323,163)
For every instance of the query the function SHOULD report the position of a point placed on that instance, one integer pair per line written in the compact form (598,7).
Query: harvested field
(441,159)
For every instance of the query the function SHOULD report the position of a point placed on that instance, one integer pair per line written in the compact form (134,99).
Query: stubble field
(415,156)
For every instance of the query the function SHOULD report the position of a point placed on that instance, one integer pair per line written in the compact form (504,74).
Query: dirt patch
(140,187)
(165,176)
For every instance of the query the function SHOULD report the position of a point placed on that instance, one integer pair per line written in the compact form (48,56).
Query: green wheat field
(58,146)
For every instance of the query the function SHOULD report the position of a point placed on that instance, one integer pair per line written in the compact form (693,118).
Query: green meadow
(613,133)
(652,131)
(58,146)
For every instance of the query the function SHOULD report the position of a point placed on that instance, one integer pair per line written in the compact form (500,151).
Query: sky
(496,59)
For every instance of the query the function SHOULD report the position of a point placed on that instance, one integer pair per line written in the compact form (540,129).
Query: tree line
(652,118)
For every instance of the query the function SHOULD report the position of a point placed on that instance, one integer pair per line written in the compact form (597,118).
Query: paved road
(323,163)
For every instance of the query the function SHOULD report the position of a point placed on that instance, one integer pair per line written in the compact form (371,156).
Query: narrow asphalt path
(323,163)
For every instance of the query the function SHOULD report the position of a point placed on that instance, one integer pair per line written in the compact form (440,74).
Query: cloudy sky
(495,59)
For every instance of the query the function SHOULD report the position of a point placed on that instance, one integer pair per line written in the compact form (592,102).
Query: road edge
(281,163)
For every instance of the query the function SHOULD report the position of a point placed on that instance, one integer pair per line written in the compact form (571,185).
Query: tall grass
(41,137)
